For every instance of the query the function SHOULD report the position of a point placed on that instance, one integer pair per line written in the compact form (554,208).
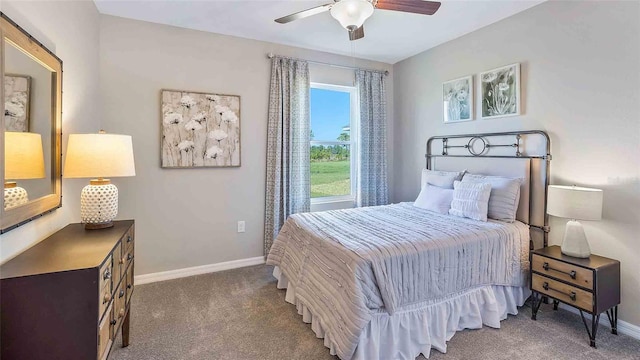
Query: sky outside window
(330,112)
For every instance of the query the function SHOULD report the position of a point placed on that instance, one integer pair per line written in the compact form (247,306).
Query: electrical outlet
(241,226)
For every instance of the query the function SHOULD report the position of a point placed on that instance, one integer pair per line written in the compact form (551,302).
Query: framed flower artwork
(199,129)
(500,92)
(457,100)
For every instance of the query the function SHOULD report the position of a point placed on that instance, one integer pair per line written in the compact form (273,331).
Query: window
(333,142)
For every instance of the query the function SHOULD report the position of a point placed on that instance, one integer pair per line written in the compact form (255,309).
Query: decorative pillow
(435,198)
(470,200)
(443,179)
(505,195)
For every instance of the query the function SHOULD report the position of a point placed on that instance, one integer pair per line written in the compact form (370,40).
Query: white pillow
(470,200)
(505,195)
(435,198)
(443,179)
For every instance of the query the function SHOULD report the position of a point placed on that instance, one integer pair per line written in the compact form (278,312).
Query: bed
(394,281)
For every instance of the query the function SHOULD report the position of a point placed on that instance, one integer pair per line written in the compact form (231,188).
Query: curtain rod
(271,56)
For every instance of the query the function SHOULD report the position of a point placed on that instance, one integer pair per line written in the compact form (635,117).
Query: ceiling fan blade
(357,33)
(411,6)
(304,13)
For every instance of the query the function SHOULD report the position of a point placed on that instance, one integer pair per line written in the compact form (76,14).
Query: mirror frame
(18,37)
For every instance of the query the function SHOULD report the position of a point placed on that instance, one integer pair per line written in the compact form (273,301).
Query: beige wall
(69,29)
(581,83)
(187,217)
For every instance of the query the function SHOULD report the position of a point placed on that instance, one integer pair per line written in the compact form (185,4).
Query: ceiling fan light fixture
(351,14)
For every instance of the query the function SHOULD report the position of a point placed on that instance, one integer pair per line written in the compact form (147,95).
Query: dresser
(591,285)
(68,296)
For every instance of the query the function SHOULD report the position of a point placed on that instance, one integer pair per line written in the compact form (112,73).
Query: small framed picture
(457,100)
(17,98)
(500,92)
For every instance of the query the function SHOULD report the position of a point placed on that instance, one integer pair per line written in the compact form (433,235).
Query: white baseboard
(623,326)
(197,270)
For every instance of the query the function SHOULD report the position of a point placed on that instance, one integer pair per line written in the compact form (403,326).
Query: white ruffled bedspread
(348,266)
(411,332)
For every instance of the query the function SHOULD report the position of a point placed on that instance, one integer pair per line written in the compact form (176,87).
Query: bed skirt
(410,332)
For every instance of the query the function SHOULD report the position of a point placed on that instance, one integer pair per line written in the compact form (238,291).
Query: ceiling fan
(351,14)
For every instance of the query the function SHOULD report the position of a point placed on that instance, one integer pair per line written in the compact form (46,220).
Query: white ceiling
(389,36)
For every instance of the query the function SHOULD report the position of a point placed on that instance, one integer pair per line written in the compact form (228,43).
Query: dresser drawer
(119,301)
(118,264)
(106,274)
(563,292)
(128,239)
(130,284)
(128,257)
(105,301)
(566,272)
(105,337)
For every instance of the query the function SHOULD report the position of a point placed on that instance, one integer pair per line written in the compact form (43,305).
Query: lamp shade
(574,202)
(24,157)
(351,14)
(99,156)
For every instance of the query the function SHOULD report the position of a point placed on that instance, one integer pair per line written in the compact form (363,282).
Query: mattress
(348,265)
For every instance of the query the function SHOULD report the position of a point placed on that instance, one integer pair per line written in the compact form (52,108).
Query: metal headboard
(499,145)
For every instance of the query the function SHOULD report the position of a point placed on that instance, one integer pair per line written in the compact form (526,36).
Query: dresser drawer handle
(129,238)
(571,273)
(107,274)
(121,293)
(129,257)
(571,295)
(129,286)
(113,322)
(107,298)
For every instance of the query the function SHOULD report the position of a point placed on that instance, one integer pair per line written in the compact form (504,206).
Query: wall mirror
(30,128)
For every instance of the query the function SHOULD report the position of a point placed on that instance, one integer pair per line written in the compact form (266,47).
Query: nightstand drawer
(563,292)
(562,271)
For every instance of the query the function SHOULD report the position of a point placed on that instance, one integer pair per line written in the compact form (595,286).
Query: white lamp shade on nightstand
(99,156)
(23,159)
(575,203)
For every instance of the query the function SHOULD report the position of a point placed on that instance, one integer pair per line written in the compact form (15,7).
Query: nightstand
(590,285)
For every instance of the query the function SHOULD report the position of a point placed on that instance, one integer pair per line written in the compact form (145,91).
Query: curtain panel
(372,188)
(288,137)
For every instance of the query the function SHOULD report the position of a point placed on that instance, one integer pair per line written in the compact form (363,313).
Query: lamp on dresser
(24,159)
(575,203)
(99,156)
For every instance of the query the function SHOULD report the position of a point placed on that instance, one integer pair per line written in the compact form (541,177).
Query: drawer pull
(121,293)
(121,261)
(129,257)
(107,274)
(129,286)
(121,313)
(129,238)
(107,298)
(113,322)
(571,295)
(571,273)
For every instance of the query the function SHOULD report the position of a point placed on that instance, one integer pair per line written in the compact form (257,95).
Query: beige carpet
(239,314)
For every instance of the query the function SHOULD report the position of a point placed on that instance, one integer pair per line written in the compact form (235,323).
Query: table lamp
(99,156)
(575,203)
(24,159)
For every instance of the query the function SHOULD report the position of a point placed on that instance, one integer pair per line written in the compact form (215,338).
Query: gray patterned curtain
(372,188)
(288,136)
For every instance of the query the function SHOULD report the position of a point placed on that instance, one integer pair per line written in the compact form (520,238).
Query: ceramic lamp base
(575,241)
(14,196)
(99,204)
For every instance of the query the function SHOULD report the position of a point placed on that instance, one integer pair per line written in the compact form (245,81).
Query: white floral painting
(16,102)
(457,100)
(500,91)
(200,129)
